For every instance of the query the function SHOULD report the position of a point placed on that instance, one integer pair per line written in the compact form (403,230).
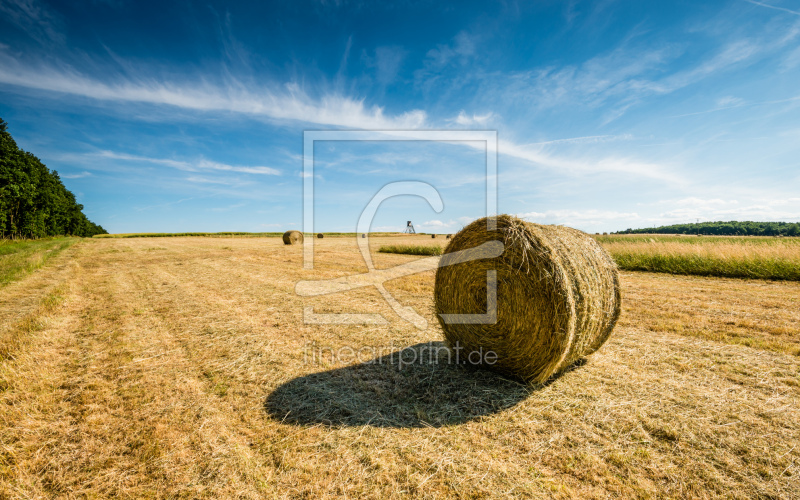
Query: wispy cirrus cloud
(78,175)
(589,139)
(734,102)
(196,166)
(38,21)
(475,119)
(617,81)
(386,61)
(279,102)
(461,49)
(582,165)
(459,53)
(775,7)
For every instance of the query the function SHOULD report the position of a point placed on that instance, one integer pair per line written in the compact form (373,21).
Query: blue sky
(189,116)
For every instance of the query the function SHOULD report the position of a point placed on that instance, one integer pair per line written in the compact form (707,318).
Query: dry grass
(412,249)
(175,368)
(755,313)
(733,257)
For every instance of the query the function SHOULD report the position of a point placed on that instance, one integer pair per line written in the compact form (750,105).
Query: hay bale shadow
(419,386)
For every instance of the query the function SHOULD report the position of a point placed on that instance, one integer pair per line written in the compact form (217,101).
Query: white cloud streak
(288,102)
(464,119)
(582,166)
(590,139)
(79,175)
(197,166)
(775,7)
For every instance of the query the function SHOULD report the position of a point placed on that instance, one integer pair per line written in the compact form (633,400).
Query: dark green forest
(33,201)
(731,228)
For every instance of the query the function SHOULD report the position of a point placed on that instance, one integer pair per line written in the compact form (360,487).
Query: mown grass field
(412,249)
(722,256)
(19,257)
(732,257)
(181,367)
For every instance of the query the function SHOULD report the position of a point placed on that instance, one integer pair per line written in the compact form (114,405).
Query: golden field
(179,367)
(723,256)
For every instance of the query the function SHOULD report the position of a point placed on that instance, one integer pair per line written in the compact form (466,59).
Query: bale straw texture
(558,297)
(292,237)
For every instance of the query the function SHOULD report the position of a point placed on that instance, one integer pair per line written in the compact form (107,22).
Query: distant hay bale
(320,235)
(292,237)
(558,297)
(363,235)
(433,236)
(449,236)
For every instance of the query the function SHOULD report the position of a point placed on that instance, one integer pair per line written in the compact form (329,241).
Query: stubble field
(182,367)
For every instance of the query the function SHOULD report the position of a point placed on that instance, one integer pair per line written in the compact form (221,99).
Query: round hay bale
(292,237)
(433,236)
(320,235)
(448,236)
(363,235)
(558,298)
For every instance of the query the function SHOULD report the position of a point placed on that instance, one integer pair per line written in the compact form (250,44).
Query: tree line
(731,228)
(33,201)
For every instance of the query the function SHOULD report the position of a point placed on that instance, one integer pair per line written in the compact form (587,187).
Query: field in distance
(724,256)
(182,366)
